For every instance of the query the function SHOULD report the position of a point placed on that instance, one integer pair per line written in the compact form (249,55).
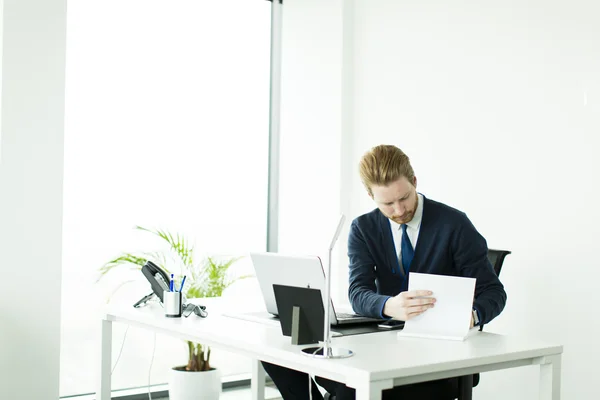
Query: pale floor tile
(244,394)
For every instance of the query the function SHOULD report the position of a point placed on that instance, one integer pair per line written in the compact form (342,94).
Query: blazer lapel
(424,233)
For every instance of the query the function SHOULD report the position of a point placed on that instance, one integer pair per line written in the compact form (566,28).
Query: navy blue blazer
(448,244)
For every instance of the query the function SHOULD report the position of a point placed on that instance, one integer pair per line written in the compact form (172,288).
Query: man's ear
(415,181)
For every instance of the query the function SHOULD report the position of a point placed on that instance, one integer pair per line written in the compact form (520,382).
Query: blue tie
(407,250)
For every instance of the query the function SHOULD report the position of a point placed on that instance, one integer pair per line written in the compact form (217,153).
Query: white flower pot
(187,385)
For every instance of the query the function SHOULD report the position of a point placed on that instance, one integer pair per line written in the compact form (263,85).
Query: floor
(243,394)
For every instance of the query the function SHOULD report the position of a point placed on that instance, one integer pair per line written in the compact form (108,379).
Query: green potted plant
(207,278)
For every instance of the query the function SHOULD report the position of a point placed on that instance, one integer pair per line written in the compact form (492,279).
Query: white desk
(381,360)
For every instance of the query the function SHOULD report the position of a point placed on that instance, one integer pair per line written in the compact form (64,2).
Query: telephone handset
(158,281)
(158,278)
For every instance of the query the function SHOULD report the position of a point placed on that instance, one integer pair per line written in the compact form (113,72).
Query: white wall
(498,106)
(31,172)
(311,128)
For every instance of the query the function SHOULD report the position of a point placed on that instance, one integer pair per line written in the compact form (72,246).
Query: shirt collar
(414,223)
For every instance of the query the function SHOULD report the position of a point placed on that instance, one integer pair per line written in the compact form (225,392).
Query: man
(406,232)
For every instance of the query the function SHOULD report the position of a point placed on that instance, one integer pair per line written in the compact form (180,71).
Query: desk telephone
(159,279)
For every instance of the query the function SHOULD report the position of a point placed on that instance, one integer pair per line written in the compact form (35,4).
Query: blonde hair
(383,165)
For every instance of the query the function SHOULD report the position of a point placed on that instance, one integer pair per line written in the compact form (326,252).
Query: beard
(406,218)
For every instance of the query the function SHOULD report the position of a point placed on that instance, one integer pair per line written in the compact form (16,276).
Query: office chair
(496,257)
(465,383)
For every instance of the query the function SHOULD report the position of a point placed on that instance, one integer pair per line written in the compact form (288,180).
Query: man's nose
(399,210)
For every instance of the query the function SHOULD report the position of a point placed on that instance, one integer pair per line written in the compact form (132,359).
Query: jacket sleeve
(362,290)
(470,251)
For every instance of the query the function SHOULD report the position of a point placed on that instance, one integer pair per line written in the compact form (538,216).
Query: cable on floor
(150,369)
(120,351)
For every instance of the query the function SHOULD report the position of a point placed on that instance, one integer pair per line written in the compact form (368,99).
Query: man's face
(398,200)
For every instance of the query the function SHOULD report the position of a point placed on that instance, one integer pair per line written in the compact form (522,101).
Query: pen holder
(172,302)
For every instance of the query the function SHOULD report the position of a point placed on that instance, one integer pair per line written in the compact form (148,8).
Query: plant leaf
(132,260)
(178,244)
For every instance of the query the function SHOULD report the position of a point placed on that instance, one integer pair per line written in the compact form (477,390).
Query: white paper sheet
(450,318)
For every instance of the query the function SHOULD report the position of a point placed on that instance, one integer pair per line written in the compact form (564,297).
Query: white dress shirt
(412,229)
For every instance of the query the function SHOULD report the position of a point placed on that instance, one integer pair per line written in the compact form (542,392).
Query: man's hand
(408,305)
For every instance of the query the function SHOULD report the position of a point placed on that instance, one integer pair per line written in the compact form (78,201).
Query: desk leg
(372,390)
(550,378)
(465,387)
(258,381)
(104,385)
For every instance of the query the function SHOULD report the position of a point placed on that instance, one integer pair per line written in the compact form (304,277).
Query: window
(167,120)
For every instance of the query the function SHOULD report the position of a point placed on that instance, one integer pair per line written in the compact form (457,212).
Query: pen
(182,282)
(171,284)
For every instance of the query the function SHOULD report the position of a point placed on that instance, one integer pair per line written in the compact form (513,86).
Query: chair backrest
(496,258)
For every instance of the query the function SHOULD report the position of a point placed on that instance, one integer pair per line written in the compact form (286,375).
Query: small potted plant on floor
(207,278)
